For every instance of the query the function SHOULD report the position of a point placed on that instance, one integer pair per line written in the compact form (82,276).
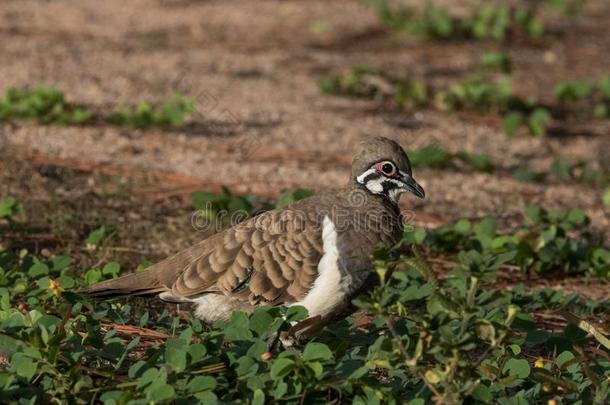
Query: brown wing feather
(271,258)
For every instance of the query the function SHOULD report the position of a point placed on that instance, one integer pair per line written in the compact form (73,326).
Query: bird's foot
(297,335)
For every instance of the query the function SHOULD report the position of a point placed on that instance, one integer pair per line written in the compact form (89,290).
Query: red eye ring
(388,168)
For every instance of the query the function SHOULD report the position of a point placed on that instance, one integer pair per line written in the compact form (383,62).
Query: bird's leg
(272,341)
(297,333)
(305,329)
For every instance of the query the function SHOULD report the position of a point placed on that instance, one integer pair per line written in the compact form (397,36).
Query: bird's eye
(388,168)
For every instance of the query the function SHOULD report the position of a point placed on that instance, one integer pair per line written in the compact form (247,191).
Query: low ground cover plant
(564,169)
(43,103)
(479,93)
(420,337)
(363,81)
(546,241)
(486,21)
(436,157)
(171,112)
(48,105)
(560,169)
(9,207)
(482,92)
(496,61)
(587,98)
(476,93)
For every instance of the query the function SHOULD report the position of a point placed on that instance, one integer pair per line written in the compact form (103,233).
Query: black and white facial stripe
(383,178)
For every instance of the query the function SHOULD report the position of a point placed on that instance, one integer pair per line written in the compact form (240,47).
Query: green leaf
(98,235)
(563,358)
(206,397)
(151,375)
(413,236)
(24,366)
(238,327)
(606,197)
(201,383)
(329,84)
(160,393)
(601,110)
(66,282)
(175,356)
(296,313)
(462,226)
(111,269)
(316,367)
(512,122)
(281,388)
(260,321)
(246,367)
(482,393)
(478,162)
(496,61)
(60,262)
(577,216)
(516,349)
(38,269)
(533,214)
(518,367)
(196,351)
(136,369)
(201,198)
(8,207)
(416,292)
(538,120)
(562,169)
(525,174)
(485,228)
(573,91)
(259,397)
(93,276)
(281,367)
(430,156)
(316,351)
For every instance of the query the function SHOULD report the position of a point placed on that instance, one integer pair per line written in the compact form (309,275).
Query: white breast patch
(214,307)
(330,288)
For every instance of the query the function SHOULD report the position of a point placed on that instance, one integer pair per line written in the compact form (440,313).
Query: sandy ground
(262,124)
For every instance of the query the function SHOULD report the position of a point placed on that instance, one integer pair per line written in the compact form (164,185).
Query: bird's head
(382,167)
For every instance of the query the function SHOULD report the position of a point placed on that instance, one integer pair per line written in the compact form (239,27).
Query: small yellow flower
(547,388)
(55,287)
(539,363)
(432,377)
(552,401)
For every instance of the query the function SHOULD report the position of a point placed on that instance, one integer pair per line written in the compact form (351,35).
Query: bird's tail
(144,283)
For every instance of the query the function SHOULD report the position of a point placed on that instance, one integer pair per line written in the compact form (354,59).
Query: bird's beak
(410,185)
